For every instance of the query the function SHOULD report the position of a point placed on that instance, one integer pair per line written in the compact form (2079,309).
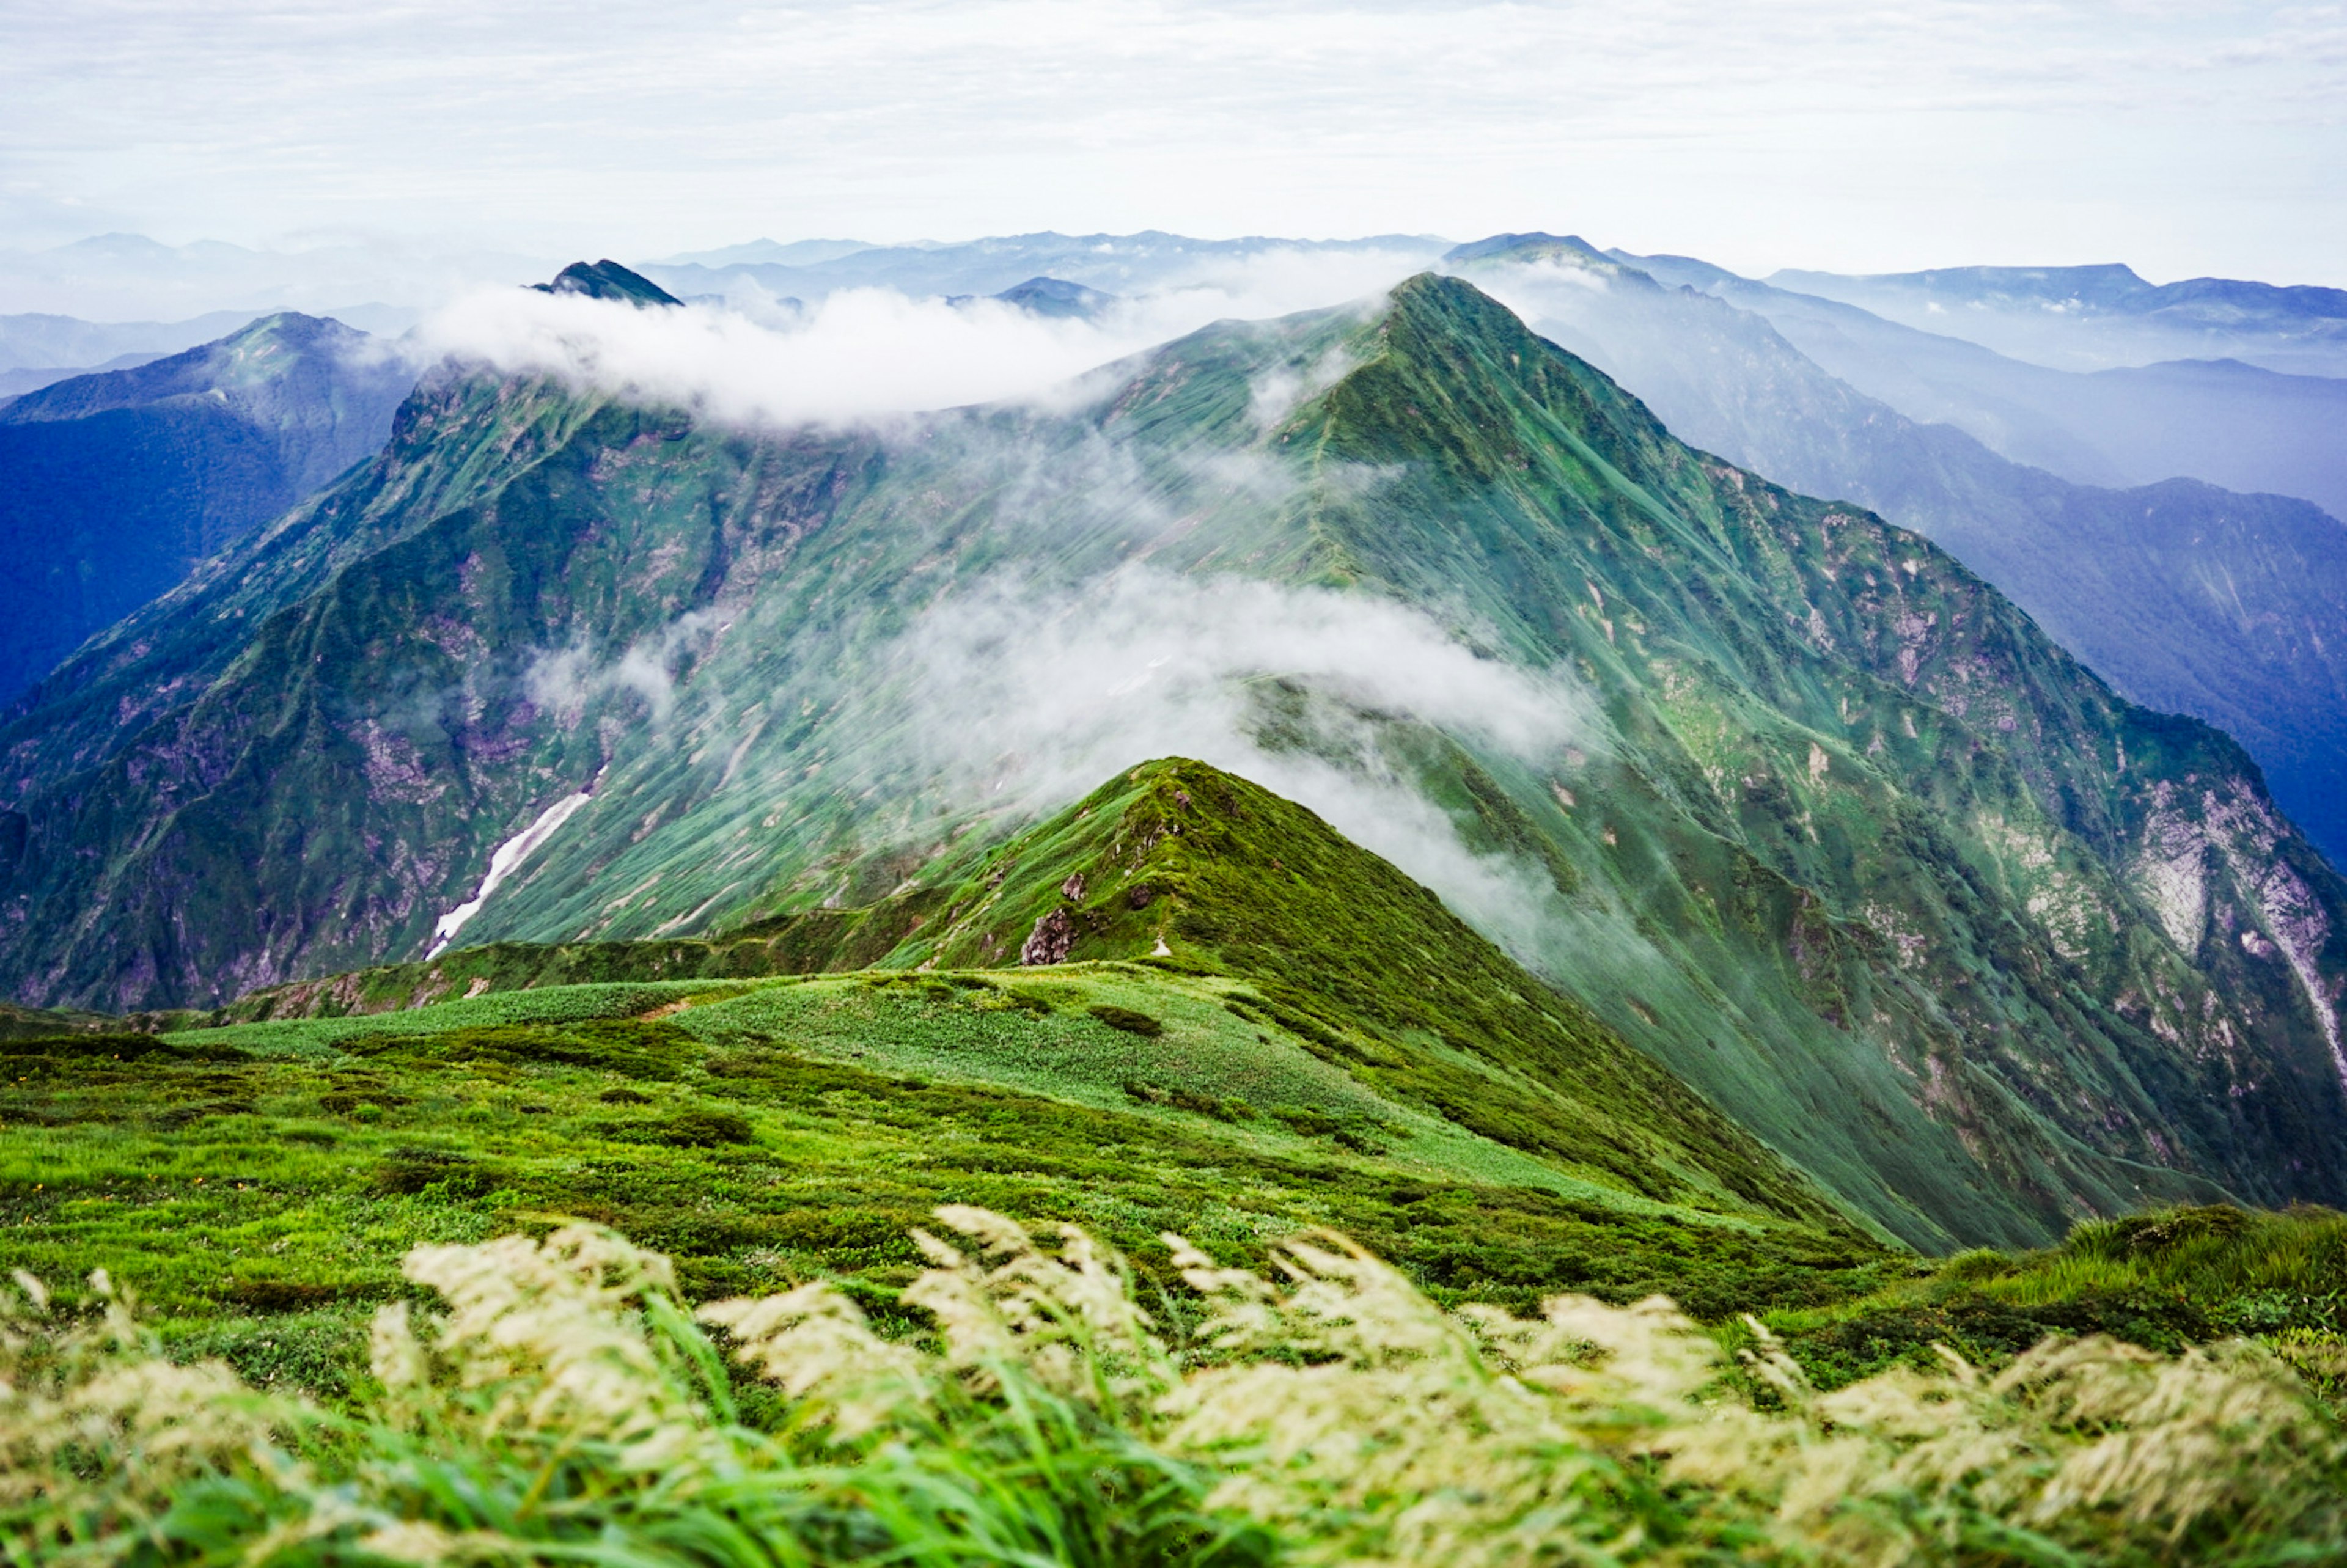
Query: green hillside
(1324,1045)
(1784,796)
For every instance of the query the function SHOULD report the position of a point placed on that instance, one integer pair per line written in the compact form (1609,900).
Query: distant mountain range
(1785,796)
(2092,318)
(114,485)
(1112,263)
(2224,421)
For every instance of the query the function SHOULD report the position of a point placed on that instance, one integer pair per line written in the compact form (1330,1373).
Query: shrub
(1126,1019)
(708,1129)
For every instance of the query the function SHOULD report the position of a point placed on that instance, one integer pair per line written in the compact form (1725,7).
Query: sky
(2184,138)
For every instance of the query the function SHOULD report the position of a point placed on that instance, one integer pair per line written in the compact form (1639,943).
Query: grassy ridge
(257,1183)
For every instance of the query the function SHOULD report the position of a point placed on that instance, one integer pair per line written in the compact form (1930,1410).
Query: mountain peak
(1055,297)
(1570,249)
(606,280)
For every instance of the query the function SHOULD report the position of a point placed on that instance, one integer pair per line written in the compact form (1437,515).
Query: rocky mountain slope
(2189,599)
(113,485)
(1784,796)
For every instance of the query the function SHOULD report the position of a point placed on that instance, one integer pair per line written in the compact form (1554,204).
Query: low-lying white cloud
(866,353)
(1028,700)
(563,681)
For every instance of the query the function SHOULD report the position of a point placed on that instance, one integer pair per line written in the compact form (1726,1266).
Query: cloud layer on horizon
(2183,138)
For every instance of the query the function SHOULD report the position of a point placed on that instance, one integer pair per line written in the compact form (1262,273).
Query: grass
(555,1400)
(256,1185)
(2165,1280)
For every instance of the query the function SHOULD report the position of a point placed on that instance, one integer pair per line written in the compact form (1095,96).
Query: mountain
(606,280)
(113,485)
(15,382)
(1055,297)
(1112,263)
(63,342)
(1242,1075)
(2188,598)
(2090,318)
(1192,872)
(2222,421)
(1785,796)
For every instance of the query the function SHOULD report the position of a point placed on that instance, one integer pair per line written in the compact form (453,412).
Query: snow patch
(507,856)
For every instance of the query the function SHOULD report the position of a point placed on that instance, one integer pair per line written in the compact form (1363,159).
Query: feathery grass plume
(817,1346)
(102,1438)
(1370,1426)
(1069,1319)
(551,1337)
(563,1407)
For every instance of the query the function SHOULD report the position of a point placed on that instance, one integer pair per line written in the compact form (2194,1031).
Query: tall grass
(560,1405)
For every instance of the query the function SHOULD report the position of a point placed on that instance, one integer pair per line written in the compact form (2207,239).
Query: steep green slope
(2188,598)
(114,485)
(1786,797)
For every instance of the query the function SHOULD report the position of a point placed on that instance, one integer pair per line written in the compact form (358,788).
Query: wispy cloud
(868,352)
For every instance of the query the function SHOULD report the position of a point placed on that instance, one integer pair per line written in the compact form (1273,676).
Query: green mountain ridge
(1306,1037)
(2229,607)
(1843,840)
(1183,866)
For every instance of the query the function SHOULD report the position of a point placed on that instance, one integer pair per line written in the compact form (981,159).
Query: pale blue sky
(2185,139)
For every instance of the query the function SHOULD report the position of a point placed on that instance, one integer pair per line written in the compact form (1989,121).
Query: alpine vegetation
(555,1400)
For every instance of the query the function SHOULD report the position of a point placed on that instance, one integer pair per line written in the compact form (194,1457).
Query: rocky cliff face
(1781,793)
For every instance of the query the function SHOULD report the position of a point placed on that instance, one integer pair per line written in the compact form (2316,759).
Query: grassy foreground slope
(555,1401)
(1307,1039)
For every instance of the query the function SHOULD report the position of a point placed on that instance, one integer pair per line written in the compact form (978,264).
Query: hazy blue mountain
(2093,318)
(606,280)
(2189,599)
(52,342)
(2228,423)
(113,485)
(1113,264)
(1055,297)
(16,382)
(1788,797)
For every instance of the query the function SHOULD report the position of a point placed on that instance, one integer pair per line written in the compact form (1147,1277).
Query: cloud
(1024,699)
(562,681)
(866,353)
(1274,396)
